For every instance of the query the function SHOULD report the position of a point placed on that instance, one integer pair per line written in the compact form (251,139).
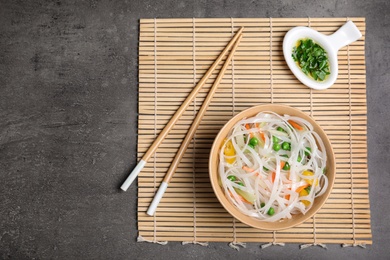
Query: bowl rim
(214,161)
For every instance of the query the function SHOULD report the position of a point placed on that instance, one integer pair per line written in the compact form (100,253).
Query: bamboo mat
(173,55)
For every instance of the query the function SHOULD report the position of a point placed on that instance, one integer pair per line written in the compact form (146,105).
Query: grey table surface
(68,126)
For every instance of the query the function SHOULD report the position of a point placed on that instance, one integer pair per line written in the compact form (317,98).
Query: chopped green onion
(232,178)
(312,59)
(308,151)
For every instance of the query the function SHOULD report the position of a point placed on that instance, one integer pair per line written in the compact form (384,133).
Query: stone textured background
(68,126)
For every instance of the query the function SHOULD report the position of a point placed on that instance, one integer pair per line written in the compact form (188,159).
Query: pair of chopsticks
(187,140)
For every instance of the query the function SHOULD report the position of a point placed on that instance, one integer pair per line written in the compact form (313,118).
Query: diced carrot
(247,126)
(273,176)
(240,197)
(262,135)
(287,197)
(295,125)
(282,164)
(249,170)
(300,188)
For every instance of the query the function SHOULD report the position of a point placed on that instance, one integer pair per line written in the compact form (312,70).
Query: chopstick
(177,115)
(190,134)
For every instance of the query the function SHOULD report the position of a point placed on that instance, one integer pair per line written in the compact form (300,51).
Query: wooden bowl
(219,192)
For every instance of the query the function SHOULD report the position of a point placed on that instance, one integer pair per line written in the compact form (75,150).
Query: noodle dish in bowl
(272,167)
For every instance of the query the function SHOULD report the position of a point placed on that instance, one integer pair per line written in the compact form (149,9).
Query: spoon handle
(348,33)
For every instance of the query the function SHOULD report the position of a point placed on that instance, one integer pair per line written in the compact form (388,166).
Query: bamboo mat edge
(357,104)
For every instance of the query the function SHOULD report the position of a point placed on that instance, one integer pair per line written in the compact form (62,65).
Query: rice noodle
(253,176)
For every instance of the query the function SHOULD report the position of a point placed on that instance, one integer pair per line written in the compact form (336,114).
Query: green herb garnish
(312,59)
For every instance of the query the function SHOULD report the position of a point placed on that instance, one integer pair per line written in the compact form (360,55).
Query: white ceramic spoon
(347,34)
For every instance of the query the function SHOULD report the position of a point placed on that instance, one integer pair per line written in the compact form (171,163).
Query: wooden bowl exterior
(214,161)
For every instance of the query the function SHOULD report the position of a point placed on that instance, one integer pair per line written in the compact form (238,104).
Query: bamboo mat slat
(173,55)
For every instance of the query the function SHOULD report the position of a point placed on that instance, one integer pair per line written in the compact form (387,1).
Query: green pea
(324,170)
(308,151)
(240,183)
(280,129)
(253,141)
(284,155)
(276,147)
(286,146)
(308,189)
(232,178)
(262,204)
(251,146)
(286,167)
(265,169)
(299,158)
(275,139)
(271,211)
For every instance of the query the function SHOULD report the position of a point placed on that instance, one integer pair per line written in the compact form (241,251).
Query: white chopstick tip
(133,175)
(156,200)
